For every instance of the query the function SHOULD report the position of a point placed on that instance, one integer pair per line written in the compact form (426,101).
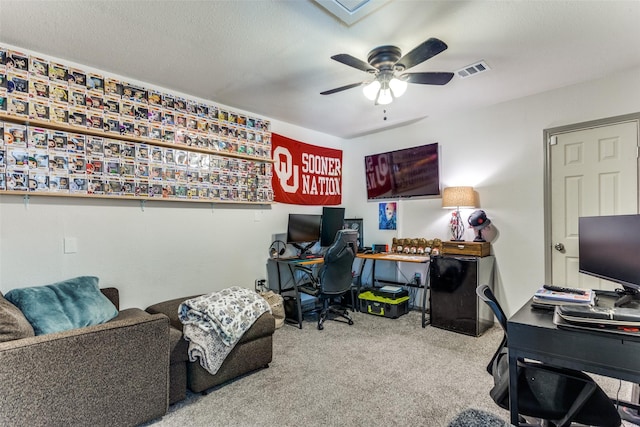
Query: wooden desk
(291,263)
(303,261)
(418,259)
(533,335)
(383,256)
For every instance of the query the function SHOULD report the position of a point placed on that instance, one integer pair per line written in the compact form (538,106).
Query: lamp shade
(458,197)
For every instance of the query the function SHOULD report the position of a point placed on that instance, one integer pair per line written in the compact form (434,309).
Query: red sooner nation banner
(305,174)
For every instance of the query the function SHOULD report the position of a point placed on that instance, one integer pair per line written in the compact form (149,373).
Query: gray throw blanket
(214,323)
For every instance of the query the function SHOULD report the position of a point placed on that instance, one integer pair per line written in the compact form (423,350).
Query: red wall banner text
(305,174)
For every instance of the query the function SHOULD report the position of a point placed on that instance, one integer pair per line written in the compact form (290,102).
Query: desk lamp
(456,198)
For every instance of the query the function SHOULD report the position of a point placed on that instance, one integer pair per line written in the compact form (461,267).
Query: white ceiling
(272,58)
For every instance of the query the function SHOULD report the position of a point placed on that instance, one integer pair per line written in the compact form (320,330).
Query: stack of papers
(545,296)
(600,315)
(619,320)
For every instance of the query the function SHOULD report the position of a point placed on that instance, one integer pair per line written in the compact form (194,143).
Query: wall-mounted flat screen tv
(410,172)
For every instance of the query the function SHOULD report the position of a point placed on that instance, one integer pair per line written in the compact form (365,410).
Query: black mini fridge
(453,302)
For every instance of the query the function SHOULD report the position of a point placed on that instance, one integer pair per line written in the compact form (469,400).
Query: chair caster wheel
(350,322)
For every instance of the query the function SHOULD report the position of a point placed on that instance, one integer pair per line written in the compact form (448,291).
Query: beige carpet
(378,372)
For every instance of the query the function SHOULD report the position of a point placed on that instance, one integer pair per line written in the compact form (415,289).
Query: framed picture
(387,215)
(356,224)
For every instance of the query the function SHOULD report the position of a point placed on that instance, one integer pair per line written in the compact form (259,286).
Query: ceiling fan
(386,64)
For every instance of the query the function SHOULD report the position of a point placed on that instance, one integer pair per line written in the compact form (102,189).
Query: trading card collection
(43,160)
(39,159)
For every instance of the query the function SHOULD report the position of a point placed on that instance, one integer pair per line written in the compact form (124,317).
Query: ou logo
(285,170)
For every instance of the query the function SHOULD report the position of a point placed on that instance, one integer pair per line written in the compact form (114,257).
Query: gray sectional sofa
(123,372)
(111,374)
(120,371)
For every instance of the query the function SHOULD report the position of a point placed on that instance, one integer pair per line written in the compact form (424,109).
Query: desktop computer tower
(454,305)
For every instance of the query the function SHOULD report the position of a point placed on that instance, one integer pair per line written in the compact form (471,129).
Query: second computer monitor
(332,221)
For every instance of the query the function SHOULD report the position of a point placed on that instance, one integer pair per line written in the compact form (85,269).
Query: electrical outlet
(260,285)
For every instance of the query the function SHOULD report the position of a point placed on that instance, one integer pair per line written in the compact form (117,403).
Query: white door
(593,172)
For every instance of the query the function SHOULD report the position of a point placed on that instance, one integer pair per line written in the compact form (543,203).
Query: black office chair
(334,277)
(555,396)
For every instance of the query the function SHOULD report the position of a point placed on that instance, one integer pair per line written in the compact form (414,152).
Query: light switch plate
(70,245)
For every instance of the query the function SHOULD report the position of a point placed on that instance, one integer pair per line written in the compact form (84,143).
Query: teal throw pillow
(73,303)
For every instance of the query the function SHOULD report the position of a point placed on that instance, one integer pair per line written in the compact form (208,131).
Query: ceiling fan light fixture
(385,97)
(399,87)
(371,90)
(385,62)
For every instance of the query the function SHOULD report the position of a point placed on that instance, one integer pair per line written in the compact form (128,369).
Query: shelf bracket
(26,201)
(142,204)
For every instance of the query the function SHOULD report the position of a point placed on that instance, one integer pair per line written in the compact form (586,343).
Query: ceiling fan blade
(433,78)
(340,89)
(354,62)
(421,53)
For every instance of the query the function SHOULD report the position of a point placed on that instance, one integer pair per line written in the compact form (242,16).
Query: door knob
(559,247)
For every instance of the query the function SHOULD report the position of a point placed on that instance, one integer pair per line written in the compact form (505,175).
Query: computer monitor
(608,248)
(303,231)
(332,221)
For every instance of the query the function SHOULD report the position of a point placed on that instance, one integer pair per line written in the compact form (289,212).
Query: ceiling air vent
(473,69)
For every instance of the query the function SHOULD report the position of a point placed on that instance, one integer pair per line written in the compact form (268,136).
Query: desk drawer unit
(453,300)
(466,248)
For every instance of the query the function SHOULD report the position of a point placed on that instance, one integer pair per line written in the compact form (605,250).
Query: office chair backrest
(486,295)
(350,237)
(335,274)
